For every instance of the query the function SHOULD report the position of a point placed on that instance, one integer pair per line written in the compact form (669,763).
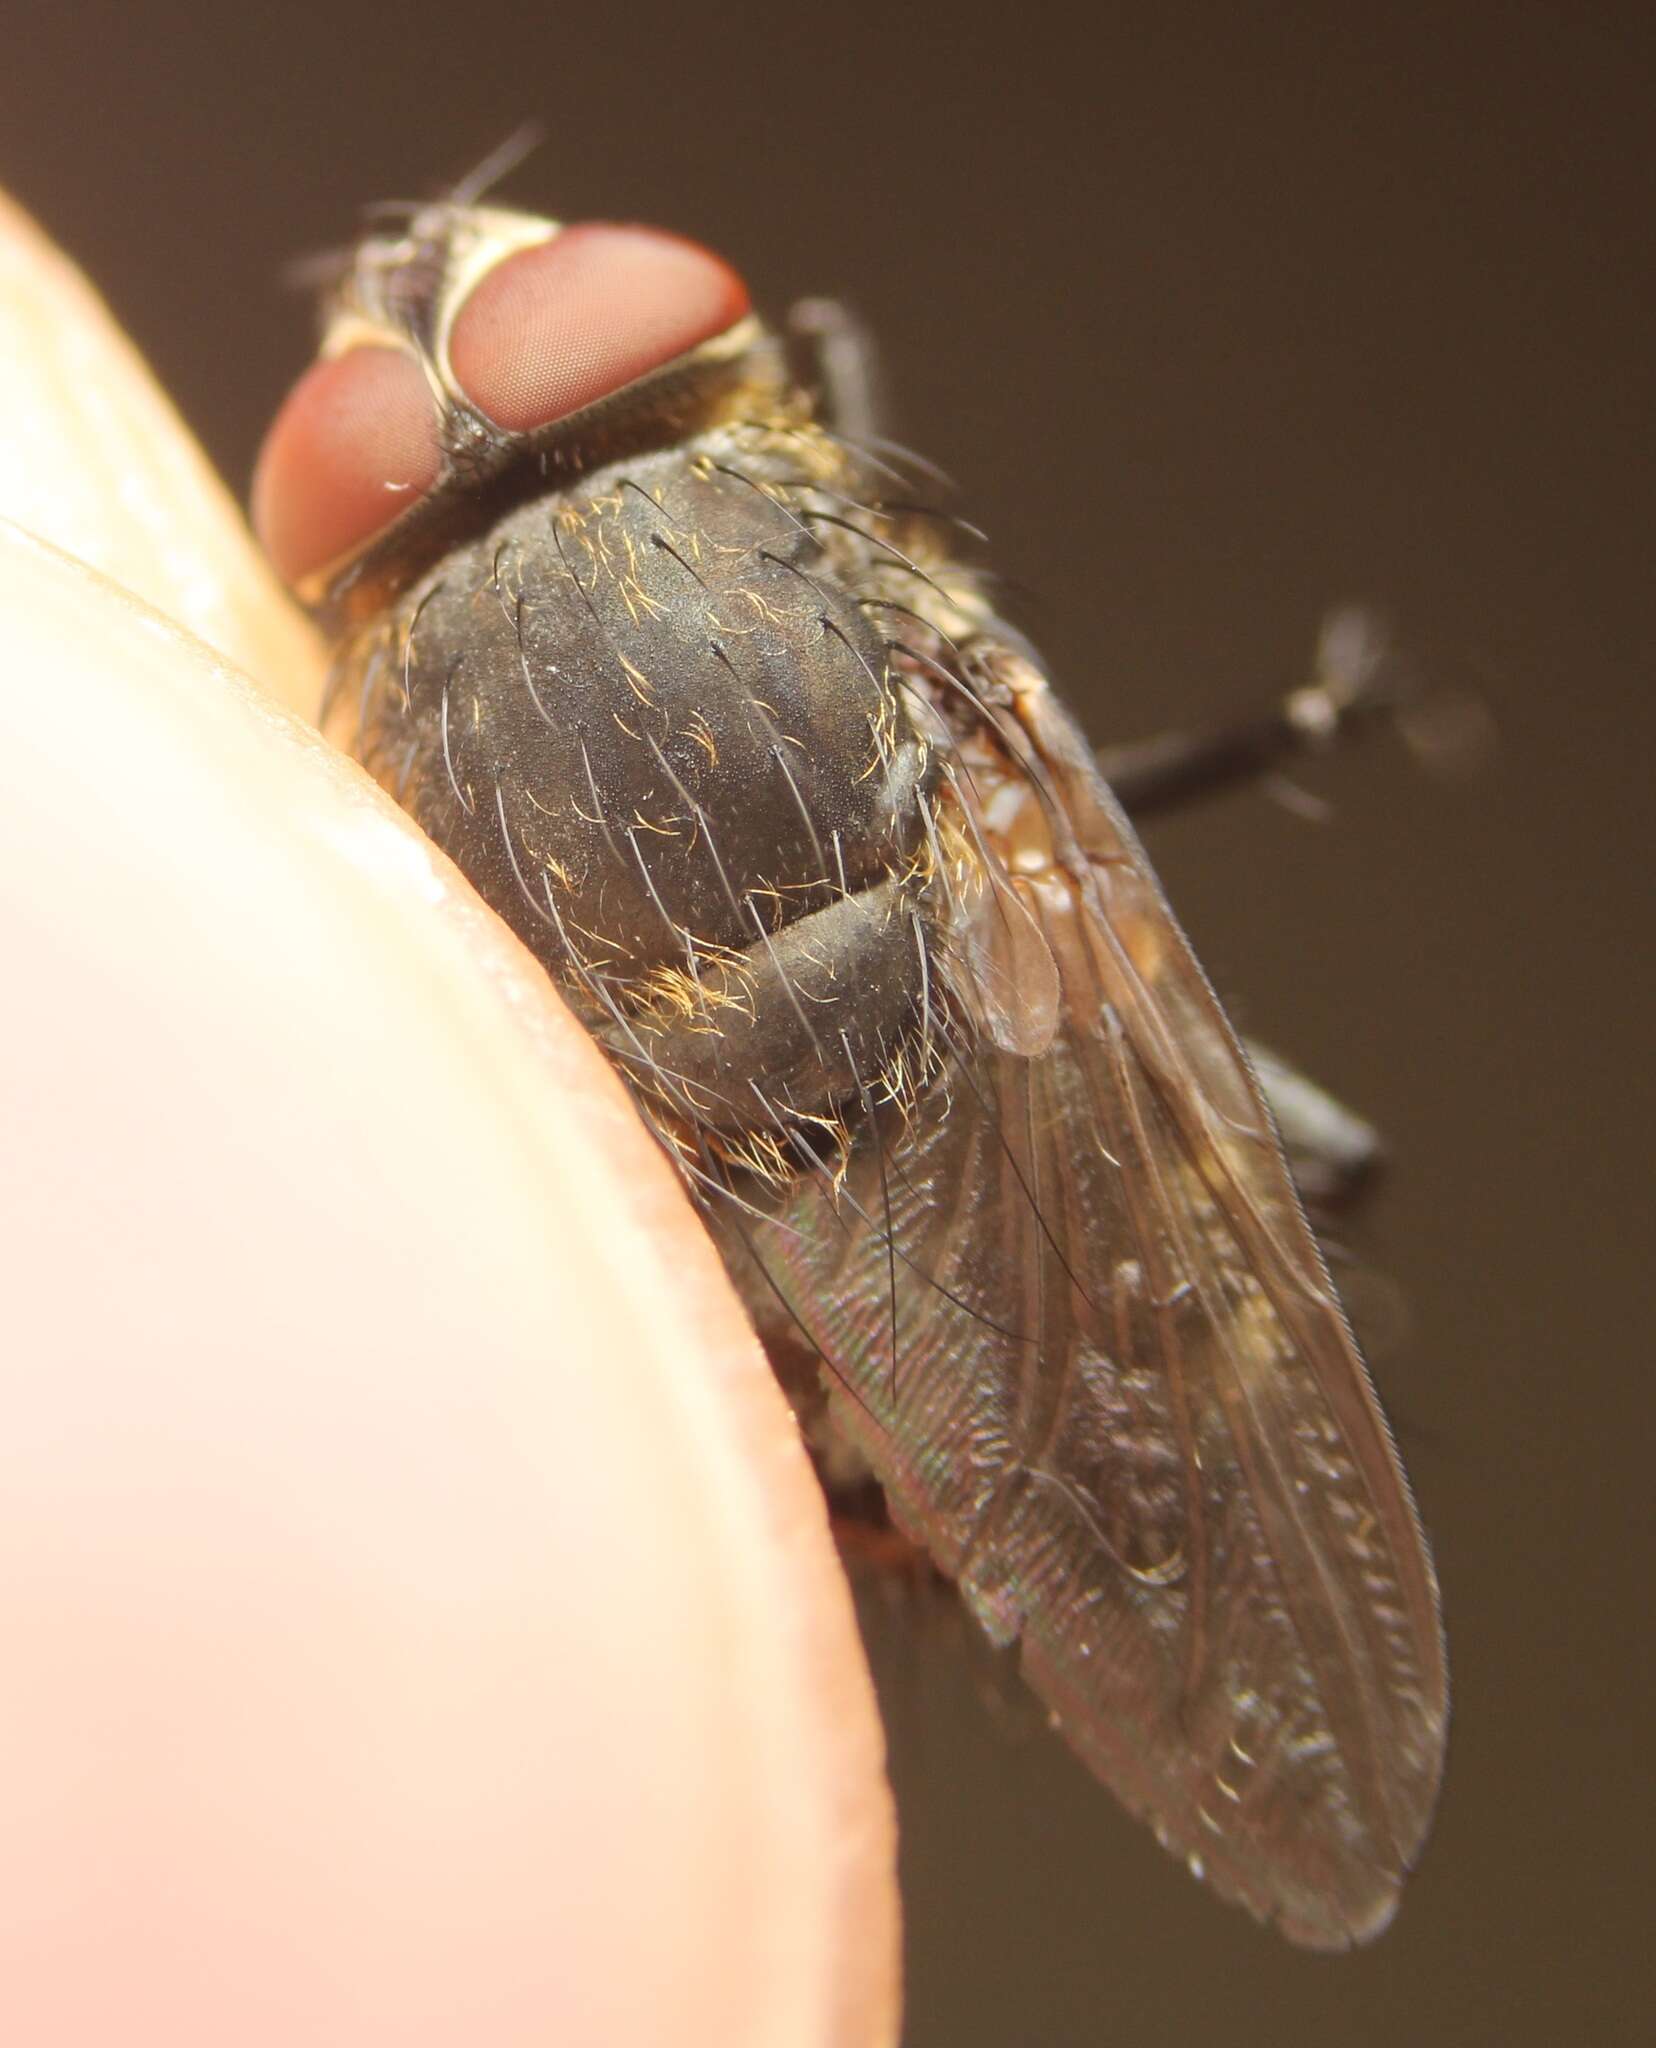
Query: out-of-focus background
(1216,315)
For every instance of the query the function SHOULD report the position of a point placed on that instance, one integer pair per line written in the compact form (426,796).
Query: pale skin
(421,1620)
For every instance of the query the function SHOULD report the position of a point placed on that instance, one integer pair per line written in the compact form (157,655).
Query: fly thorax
(662,738)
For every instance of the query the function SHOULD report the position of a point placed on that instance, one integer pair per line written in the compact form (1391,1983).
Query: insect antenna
(499,163)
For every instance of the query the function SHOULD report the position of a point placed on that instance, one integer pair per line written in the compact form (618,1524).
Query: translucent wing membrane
(1082,1333)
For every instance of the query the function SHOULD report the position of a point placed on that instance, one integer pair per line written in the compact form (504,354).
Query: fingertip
(95,460)
(423,1626)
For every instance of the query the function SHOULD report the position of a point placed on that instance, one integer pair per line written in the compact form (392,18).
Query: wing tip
(1321,1930)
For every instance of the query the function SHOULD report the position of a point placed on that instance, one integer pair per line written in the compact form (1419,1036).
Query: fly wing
(1078,1325)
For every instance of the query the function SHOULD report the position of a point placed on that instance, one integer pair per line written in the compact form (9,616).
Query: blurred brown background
(1216,315)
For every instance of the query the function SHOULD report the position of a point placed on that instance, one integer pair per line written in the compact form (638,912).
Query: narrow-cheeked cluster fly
(727,728)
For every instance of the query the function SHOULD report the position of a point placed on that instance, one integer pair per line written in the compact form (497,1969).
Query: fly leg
(1357,681)
(833,356)
(1333,1153)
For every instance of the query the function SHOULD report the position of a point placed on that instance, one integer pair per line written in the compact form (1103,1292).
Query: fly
(668,660)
